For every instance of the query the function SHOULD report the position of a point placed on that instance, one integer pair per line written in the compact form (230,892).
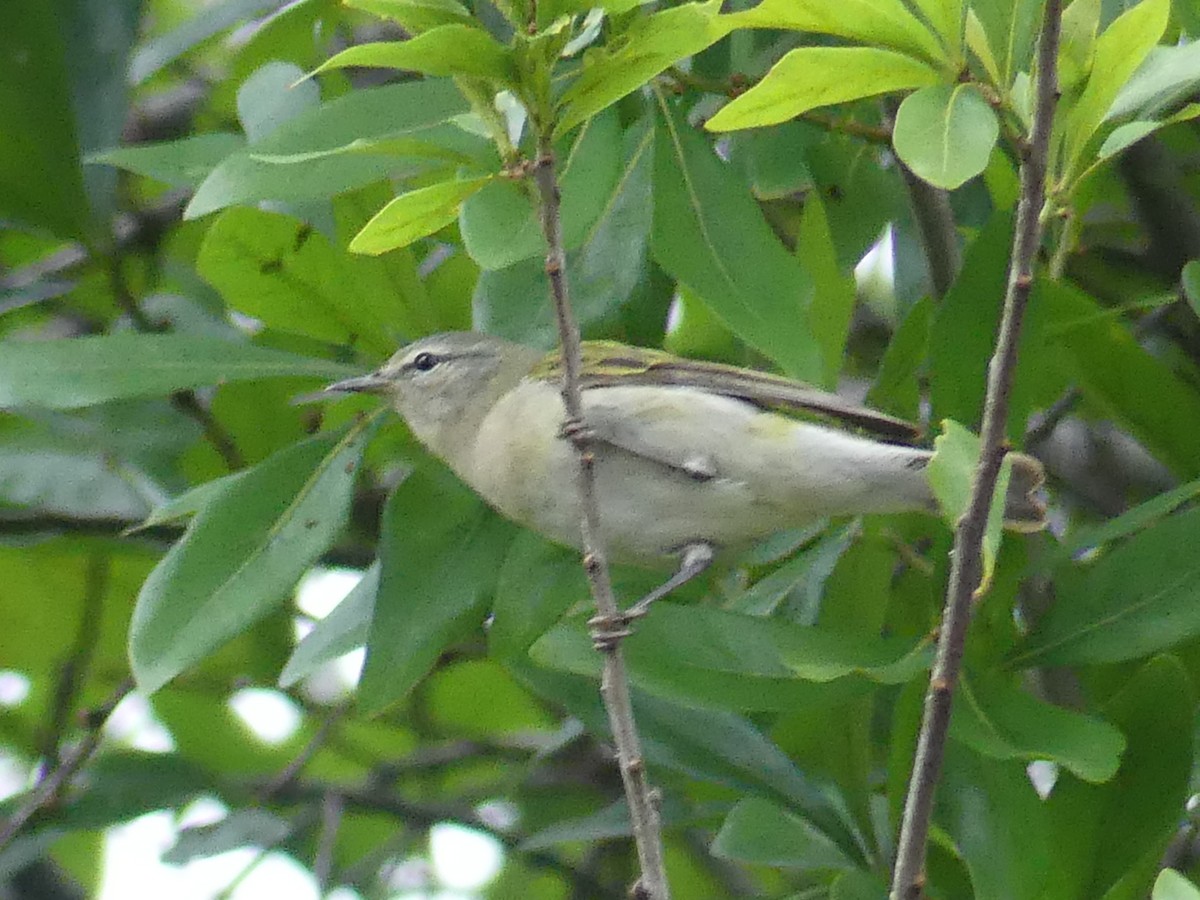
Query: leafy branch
(908,876)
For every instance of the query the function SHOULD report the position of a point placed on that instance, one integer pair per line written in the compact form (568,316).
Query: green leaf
(998,825)
(709,234)
(834,292)
(182,163)
(1168,76)
(896,389)
(810,77)
(501,225)
(1124,136)
(1142,597)
(1170,885)
(999,720)
(1112,836)
(946,18)
(760,832)
(438,554)
(1011,27)
(1080,540)
(189,503)
(1122,379)
(705,657)
(881,23)
(1119,51)
(716,746)
(415,215)
(952,477)
(945,134)
(604,272)
(345,628)
(415,15)
(538,583)
(290,276)
(251,827)
(241,554)
(449,50)
(1190,279)
(415,109)
(164,49)
(649,47)
(68,374)
(40,180)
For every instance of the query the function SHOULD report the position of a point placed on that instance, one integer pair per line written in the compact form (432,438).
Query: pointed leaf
(438,554)
(415,215)
(68,374)
(759,832)
(241,554)
(646,49)
(709,234)
(881,23)
(811,77)
(1142,597)
(449,50)
(344,629)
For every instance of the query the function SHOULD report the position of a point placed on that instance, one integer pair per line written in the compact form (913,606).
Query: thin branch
(614,684)
(48,792)
(185,401)
(72,673)
(908,878)
(333,805)
(370,797)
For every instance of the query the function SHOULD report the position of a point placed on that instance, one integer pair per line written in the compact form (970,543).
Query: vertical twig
(908,879)
(614,685)
(48,792)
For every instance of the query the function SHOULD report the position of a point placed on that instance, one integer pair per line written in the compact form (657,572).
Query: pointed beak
(363,384)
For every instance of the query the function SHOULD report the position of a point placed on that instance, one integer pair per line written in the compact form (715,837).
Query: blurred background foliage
(178,204)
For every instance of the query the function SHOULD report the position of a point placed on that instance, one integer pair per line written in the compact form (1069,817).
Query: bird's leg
(607,630)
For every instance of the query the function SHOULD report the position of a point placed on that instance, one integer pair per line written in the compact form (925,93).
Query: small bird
(692,459)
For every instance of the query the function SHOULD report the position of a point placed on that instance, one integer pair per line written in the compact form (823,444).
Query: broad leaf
(1119,51)
(709,234)
(68,374)
(449,50)
(946,134)
(1001,721)
(760,832)
(182,163)
(646,49)
(241,554)
(881,23)
(811,77)
(288,275)
(415,215)
(1142,597)
(438,555)
(413,109)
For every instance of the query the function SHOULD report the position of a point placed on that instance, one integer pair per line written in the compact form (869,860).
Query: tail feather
(1024,505)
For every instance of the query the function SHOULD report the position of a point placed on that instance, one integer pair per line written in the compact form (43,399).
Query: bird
(692,459)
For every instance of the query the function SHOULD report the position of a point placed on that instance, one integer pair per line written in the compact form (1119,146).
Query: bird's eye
(423,362)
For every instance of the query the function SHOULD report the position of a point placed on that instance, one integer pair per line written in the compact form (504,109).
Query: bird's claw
(608,631)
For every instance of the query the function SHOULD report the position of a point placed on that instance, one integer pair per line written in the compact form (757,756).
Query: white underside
(770,472)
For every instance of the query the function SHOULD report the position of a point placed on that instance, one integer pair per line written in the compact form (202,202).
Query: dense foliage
(211,212)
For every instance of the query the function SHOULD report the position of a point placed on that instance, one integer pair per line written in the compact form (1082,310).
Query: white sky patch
(464,859)
(133,724)
(270,715)
(14,688)
(323,589)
